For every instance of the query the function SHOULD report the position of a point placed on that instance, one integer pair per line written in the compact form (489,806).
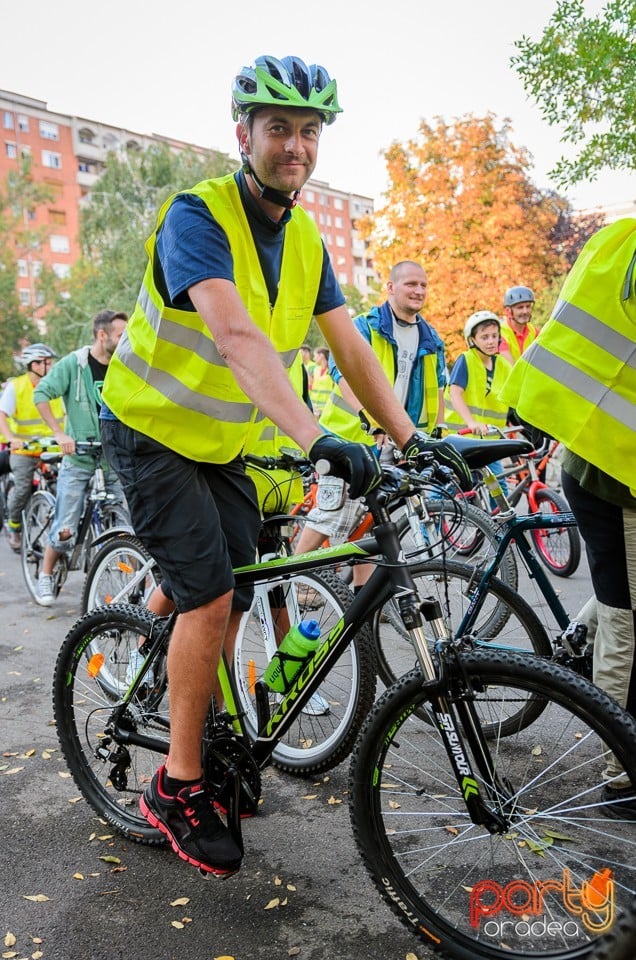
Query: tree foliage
(582,74)
(18,196)
(117,218)
(461,203)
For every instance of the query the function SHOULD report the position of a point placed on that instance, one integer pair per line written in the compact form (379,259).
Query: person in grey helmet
(517,332)
(236,271)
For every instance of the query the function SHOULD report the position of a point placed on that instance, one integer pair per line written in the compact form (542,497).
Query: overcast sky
(166,67)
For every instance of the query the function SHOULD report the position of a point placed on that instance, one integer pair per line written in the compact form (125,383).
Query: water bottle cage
(283,657)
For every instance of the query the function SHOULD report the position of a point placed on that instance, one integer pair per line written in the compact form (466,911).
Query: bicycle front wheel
(122,571)
(324,732)
(36,522)
(558,875)
(559,548)
(91,667)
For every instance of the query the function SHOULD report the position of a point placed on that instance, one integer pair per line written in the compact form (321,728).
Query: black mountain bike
(485,845)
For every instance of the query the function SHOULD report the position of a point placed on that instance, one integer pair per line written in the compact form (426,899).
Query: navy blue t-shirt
(192,246)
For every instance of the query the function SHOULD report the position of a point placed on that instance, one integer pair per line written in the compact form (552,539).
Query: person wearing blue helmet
(517,332)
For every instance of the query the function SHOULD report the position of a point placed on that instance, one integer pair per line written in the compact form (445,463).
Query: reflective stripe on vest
(27,422)
(168,379)
(578,380)
(339,417)
(475,393)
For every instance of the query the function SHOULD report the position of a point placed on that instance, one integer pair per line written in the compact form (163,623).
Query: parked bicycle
(44,474)
(558,548)
(100,512)
(474,839)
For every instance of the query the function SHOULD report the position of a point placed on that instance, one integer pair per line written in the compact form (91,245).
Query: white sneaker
(46,591)
(135,664)
(316,706)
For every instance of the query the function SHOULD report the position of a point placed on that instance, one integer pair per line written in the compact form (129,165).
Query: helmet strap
(269,193)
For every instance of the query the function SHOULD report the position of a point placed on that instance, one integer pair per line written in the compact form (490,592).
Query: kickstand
(233,809)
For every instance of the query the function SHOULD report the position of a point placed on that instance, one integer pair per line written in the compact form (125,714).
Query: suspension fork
(453,735)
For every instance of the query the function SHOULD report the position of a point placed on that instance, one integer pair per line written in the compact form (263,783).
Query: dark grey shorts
(198,520)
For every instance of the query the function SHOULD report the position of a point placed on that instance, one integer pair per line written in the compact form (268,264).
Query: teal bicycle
(485,845)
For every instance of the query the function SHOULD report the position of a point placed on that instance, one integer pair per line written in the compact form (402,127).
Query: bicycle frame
(391,579)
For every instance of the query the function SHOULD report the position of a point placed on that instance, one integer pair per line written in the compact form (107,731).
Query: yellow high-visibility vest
(339,417)
(577,382)
(483,408)
(168,380)
(508,334)
(27,422)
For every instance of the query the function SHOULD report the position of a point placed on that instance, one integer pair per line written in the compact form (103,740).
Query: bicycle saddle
(478,452)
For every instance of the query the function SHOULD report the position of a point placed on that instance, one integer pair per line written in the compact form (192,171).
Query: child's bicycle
(99,513)
(486,846)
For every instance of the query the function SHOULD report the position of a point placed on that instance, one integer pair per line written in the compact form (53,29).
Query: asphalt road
(302,890)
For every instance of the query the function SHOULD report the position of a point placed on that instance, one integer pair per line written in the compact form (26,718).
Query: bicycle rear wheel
(122,571)
(90,675)
(559,549)
(324,732)
(558,874)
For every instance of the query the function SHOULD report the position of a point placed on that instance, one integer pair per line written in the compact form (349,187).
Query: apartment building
(68,153)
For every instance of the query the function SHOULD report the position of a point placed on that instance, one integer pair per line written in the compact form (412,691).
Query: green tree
(118,216)
(582,74)
(19,195)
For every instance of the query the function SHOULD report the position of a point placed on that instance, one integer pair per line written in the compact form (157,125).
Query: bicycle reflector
(95,664)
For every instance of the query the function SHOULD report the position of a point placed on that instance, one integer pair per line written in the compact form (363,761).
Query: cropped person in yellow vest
(321,382)
(578,383)
(517,332)
(412,356)
(20,421)
(236,271)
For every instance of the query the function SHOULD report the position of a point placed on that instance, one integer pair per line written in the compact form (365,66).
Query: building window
(322,200)
(23,123)
(57,217)
(86,135)
(59,243)
(309,196)
(343,277)
(133,145)
(61,270)
(25,297)
(25,150)
(338,222)
(340,241)
(338,204)
(48,130)
(7,120)
(23,268)
(52,160)
(11,150)
(36,268)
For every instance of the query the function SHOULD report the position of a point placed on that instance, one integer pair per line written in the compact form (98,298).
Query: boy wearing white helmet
(471,399)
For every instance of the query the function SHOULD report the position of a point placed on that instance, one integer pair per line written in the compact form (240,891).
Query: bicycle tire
(456,885)
(558,549)
(506,622)
(36,521)
(620,942)
(314,743)
(476,540)
(110,776)
(113,573)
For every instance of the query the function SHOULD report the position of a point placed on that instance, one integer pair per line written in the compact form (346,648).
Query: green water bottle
(295,648)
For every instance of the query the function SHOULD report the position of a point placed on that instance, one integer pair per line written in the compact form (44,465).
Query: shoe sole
(154,821)
(44,603)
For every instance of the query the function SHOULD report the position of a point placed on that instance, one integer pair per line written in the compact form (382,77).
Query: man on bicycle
(77,379)
(20,422)
(236,270)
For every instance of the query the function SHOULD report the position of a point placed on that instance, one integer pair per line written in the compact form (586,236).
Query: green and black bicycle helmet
(288,82)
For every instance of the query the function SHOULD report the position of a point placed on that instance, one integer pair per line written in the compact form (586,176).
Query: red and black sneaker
(191,824)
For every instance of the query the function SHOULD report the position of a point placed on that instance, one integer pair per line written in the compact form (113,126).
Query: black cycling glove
(444,453)
(354,462)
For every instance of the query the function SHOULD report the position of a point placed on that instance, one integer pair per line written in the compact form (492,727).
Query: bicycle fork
(453,735)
